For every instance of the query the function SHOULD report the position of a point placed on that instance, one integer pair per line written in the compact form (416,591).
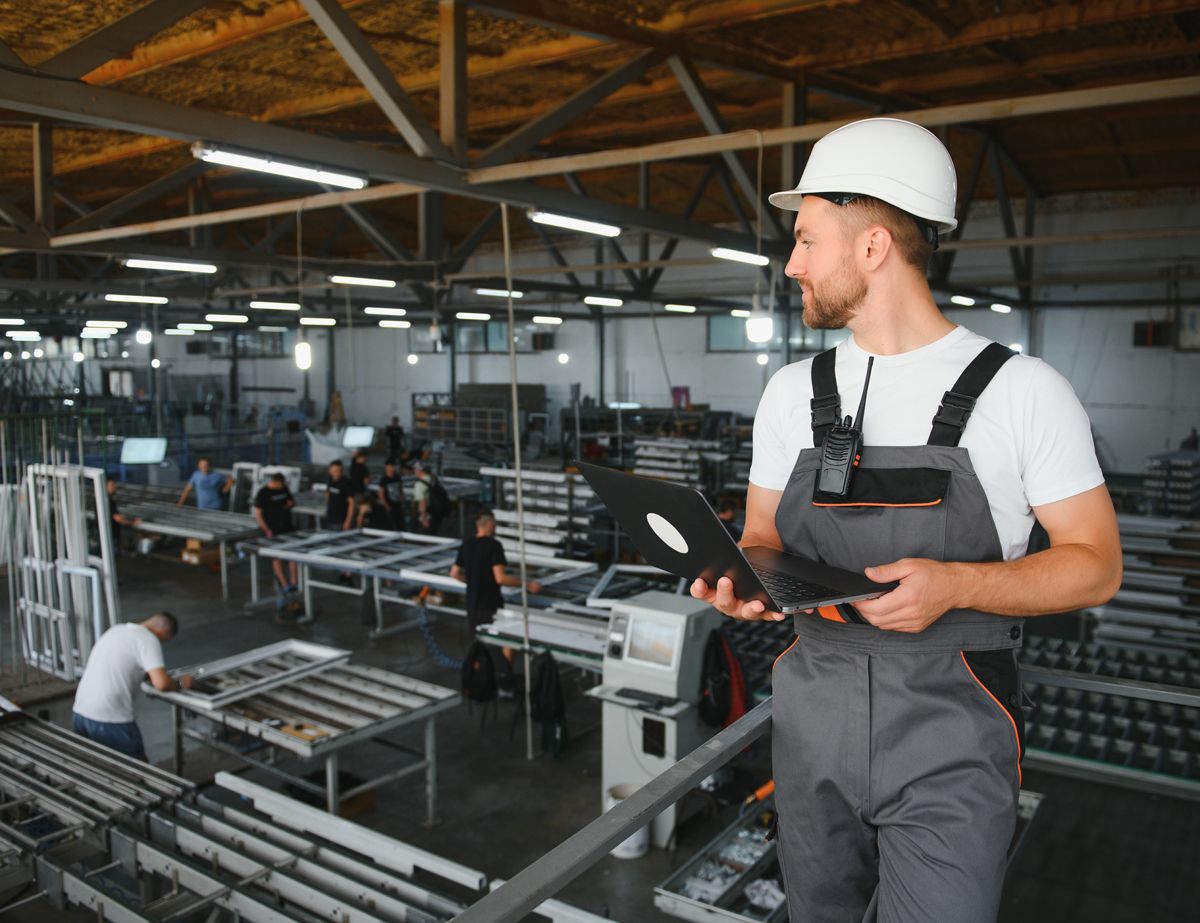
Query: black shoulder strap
(959,401)
(826,403)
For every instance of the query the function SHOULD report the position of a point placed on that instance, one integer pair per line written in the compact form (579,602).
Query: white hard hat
(892,160)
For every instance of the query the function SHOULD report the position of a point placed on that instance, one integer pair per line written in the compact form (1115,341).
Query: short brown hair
(864,211)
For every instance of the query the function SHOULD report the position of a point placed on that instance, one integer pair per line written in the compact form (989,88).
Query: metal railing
(575,855)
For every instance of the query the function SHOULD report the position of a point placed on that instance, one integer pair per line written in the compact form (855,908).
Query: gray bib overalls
(896,755)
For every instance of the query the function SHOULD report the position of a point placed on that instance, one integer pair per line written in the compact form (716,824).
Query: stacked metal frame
(66,593)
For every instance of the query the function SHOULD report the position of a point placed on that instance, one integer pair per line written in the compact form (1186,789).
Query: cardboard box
(205,556)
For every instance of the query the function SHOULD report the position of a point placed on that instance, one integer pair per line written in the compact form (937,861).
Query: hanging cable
(516,434)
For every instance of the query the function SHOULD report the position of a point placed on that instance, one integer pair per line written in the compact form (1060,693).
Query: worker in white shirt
(124,655)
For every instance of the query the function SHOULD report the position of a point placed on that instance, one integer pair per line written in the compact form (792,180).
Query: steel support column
(452,67)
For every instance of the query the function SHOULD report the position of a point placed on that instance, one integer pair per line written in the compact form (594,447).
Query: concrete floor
(1099,853)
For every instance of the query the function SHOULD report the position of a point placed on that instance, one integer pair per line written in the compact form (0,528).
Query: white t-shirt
(1029,438)
(123,655)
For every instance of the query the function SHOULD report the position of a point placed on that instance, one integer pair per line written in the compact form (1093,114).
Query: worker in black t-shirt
(372,514)
(395,439)
(339,499)
(273,512)
(391,495)
(481,566)
(116,520)
(359,475)
(339,506)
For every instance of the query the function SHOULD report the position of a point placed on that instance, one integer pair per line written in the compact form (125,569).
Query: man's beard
(841,297)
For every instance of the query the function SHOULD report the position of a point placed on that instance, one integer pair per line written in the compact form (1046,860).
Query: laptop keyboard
(784,587)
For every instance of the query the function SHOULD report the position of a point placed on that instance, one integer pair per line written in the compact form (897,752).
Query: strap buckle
(825,410)
(954,410)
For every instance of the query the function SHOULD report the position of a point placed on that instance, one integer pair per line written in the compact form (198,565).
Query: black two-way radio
(842,450)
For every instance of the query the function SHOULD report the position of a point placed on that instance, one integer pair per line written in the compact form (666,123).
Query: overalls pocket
(996,675)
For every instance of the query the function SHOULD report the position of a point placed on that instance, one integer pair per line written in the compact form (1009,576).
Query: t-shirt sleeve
(260,500)
(1058,457)
(458,559)
(149,652)
(498,556)
(770,466)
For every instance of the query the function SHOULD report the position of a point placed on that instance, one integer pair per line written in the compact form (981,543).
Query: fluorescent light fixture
(317,321)
(180,333)
(124,354)
(23,336)
(136,299)
(155,363)
(37,354)
(303,354)
(7,355)
(1002,308)
(395,324)
(542,319)
(24,354)
(963,300)
(170,265)
(762,358)
(262,164)
(275,306)
(472,315)
(680,308)
(143,336)
(413,358)
(739,312)
(273,329)
(574,224)
(187,325)
(740,256)
(385,312)
(760,329)
(363,280)
(227,318)
(78,356)
(499,292)
(624,405)
(563,358)
(601,302)
(12,321)
(95,333)
(108,324)
(1016,347)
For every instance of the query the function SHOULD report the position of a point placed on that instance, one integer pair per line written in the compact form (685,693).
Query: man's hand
(723,600)
(928,590)
(534,587)
(179,502)
(185,682)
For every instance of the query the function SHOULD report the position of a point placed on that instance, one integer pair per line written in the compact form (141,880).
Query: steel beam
(945,261)
(8,57)
(669,247)
(714,124)
(155,189)
(357,52)
(1010,226)
(452,77)
(525,138)
(118,39)
(555,254)
(472,241)
(988,110)
(43,177)
(794,103)
(15,216)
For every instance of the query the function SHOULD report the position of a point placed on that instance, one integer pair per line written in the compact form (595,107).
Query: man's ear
(876,244)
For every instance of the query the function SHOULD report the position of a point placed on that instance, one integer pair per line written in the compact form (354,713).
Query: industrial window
(491,337)
(727,334)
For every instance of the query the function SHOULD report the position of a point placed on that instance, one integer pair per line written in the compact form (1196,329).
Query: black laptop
(674,528)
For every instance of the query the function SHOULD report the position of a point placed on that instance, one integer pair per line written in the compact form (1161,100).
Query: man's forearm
(1058,579)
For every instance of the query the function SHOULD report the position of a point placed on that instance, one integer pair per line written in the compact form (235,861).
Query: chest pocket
(890,488)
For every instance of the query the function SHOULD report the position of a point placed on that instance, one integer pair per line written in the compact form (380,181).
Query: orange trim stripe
(831,613)
(892,505)
(1003,711)
(789,647)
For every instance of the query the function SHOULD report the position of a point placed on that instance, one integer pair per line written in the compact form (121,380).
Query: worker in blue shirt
(208,484)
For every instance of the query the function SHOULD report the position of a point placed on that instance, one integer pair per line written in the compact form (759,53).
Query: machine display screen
(652,642)
(143,451)
(358,437)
